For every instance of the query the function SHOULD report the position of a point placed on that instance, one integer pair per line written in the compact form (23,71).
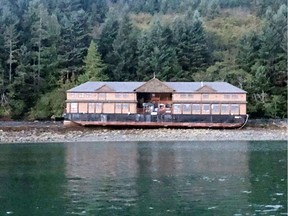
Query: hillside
(48,46)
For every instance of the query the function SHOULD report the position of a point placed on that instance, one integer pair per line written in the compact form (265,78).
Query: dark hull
(164,120)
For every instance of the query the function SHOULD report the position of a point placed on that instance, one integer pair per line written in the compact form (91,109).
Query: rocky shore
(17,132)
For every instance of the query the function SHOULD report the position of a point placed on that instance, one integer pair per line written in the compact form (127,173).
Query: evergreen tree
(38,31)
(108,35)
(11,40)
(94,67)
(192,49)
(22,94)
(157,54)
(74,39)
(122,61)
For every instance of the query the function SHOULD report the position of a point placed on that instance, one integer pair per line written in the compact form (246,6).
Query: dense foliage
(44,48)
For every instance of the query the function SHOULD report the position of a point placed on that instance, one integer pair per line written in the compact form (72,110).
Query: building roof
(185,87)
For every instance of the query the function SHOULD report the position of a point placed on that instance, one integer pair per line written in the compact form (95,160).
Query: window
(91,107)
(74,107)
(234,96)
(195,108)
(235,108)
(118,95)
(98,107)
(125,95)
(206,108)
(183,95)
(74,95)
(177,108)
(118,106)
(224,108)
(215,108)
(227,96)
(102,96)
(125,107)
(187,108)
(190,95)
(205,96)
(81,95)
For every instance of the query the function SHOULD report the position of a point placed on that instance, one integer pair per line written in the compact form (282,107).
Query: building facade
(155,97)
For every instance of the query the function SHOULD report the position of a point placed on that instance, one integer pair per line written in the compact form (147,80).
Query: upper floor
(157,92)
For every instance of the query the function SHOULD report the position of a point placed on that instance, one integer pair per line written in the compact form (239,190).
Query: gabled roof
(205,88)
(105,88)
(185,87)
(154,85)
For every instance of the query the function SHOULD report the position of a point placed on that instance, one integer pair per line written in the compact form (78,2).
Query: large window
(206,109)
(122,108)
(118,108)
(215,108)
(91,108)
(125,108)
(196,108)
(187,108)
(224,108)
(177,108)
(74,107)
(98,107)
(235,109)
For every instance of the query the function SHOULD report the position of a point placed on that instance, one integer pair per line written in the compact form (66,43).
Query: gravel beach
(30,132)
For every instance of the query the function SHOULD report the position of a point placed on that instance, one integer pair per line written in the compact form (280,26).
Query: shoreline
(54,132)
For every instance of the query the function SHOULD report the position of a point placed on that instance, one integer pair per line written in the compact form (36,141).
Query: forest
(49,46)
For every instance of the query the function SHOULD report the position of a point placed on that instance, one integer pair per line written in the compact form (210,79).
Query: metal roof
(222,87)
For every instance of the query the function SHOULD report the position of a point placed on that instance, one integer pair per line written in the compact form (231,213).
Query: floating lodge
(157,104)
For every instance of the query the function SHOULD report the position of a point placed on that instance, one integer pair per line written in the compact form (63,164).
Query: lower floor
(131,108)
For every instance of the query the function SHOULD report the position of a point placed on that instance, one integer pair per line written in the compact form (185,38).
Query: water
(144,178)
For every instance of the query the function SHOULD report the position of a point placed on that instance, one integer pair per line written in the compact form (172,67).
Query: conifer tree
(94,67)
(108,35)
(192,50)
(74,39)
(122,61)
(11,40)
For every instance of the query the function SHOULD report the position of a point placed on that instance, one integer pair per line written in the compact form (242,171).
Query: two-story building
(156,103)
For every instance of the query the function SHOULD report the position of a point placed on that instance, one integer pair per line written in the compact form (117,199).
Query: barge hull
(164,120)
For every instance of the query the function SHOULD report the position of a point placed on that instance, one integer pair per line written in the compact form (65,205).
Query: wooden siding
(154,86)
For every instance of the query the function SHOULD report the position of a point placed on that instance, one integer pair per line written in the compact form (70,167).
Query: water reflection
(144,178)
(171,177)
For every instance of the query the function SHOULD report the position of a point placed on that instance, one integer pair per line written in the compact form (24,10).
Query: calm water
(144,178)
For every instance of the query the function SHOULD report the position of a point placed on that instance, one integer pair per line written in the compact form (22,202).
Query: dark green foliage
(107,37)
(94,67)
(157,55)
(122,60)
(44,43)
(264,56)
(191,45)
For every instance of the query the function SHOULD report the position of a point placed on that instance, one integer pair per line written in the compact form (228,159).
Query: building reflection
(144,176)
